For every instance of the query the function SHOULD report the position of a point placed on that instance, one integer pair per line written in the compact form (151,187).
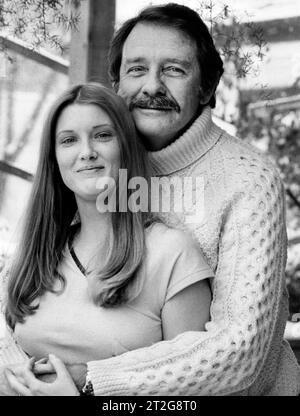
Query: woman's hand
(24,382)
(5,389)
(44,371)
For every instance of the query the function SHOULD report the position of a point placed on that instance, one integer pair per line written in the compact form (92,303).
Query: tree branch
(293,198)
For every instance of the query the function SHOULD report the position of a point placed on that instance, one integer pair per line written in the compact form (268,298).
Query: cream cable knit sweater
(244,239)
(243,236)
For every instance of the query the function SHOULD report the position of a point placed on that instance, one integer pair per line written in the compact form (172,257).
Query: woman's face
(87,149)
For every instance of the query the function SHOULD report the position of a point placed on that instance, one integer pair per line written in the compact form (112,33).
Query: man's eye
(173,70)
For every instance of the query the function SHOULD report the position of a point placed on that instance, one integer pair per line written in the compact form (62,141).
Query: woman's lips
(90,168)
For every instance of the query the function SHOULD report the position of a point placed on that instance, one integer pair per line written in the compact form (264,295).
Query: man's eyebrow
(138,59)
(102,125)
(184,62)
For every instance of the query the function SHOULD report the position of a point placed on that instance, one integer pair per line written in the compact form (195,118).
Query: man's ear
(208,93)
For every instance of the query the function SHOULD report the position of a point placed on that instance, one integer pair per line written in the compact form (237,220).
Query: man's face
(160,82)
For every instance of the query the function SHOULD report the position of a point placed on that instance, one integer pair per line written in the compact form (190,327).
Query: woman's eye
(68,140)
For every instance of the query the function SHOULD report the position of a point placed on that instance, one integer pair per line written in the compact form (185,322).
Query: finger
(59,366)
(47,378)
(15,384)
(30,363)
(41,360)
(19,369)
(25,375)
(31,382)
(29,378)
(43,368)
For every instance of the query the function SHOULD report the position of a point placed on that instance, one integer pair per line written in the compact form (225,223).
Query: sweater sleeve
(10,351)
(248,286)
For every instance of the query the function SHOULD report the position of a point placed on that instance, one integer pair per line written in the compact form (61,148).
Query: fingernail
(41,360)
(31,362)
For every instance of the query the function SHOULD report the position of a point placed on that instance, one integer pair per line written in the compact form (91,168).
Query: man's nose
(153,84)
(87,151)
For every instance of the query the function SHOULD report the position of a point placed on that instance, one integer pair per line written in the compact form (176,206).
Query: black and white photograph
(149,200)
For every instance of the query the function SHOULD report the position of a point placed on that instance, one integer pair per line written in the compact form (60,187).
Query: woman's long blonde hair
(52,208)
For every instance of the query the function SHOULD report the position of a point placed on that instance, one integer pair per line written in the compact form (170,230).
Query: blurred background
(47,45)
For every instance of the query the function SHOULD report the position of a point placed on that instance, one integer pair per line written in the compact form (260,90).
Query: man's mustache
(159,103)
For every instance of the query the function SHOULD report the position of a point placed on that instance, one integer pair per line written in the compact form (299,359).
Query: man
(164,63)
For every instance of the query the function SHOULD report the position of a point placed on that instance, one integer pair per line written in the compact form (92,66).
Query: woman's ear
(115,86)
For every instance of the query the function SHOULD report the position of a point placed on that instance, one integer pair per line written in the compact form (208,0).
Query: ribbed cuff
(108,381)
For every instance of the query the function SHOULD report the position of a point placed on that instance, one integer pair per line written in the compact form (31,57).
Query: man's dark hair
(185,20)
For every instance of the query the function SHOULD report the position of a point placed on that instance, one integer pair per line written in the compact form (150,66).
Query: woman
(93,280)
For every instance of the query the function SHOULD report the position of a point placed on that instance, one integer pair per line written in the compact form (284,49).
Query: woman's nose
(87,151)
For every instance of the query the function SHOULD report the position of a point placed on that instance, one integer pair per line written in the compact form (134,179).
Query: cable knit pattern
(243,237)
(10,351)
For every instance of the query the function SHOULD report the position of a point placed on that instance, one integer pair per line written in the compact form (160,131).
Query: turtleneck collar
(189,147)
